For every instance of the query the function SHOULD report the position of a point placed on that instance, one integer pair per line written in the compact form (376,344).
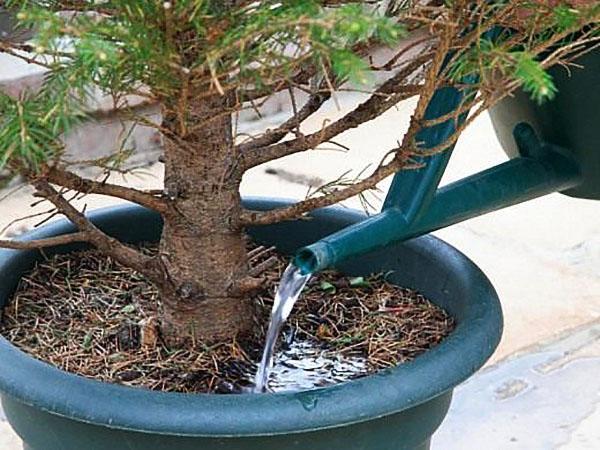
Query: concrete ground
(541,388)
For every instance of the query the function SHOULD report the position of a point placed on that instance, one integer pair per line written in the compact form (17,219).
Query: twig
(56,175)
(393,90)
(107,244)
(48,242)
(300,208)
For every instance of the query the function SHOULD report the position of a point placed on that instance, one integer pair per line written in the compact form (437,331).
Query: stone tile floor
(543,398)
(541,388)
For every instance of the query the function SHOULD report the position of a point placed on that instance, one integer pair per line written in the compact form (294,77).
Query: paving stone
(555,407)
(8,438)
(586,436)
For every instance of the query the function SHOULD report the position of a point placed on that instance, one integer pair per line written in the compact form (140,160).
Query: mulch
(86,314)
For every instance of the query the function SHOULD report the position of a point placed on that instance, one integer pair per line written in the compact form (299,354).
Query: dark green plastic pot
(395,409)
(570,121)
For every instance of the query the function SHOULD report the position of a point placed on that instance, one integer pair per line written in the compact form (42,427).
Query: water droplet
(309,401)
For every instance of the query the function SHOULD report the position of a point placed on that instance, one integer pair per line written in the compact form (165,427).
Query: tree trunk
(203,247)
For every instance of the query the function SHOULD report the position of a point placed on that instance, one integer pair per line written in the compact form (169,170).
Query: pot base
(403,431)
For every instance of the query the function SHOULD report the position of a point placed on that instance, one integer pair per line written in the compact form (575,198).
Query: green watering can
(554,147)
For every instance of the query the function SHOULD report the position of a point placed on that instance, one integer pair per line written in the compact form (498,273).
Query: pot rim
(40,385)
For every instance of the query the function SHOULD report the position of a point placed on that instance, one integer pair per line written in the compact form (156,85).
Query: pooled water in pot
(303,366)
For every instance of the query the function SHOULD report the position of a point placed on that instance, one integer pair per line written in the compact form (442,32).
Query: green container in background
(571,121)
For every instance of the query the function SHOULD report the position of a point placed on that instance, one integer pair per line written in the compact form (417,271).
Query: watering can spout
(310,259)
(373,232)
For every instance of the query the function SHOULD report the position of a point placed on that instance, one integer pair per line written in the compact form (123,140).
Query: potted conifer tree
(204,61)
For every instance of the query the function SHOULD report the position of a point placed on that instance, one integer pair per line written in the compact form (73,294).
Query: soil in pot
(86,314)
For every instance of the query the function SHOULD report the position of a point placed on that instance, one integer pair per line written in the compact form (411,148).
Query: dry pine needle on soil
(86,314)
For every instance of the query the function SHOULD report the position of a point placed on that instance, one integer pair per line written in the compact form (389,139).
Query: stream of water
(291,285)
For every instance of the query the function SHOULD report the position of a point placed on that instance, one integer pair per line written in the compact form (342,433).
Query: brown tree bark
(203,247)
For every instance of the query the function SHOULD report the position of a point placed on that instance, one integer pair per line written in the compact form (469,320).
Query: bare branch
(391,63)
(388,95)
(297,210)
(64,178)
(13,50)
(105,243)
(272,136)
(48,242)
